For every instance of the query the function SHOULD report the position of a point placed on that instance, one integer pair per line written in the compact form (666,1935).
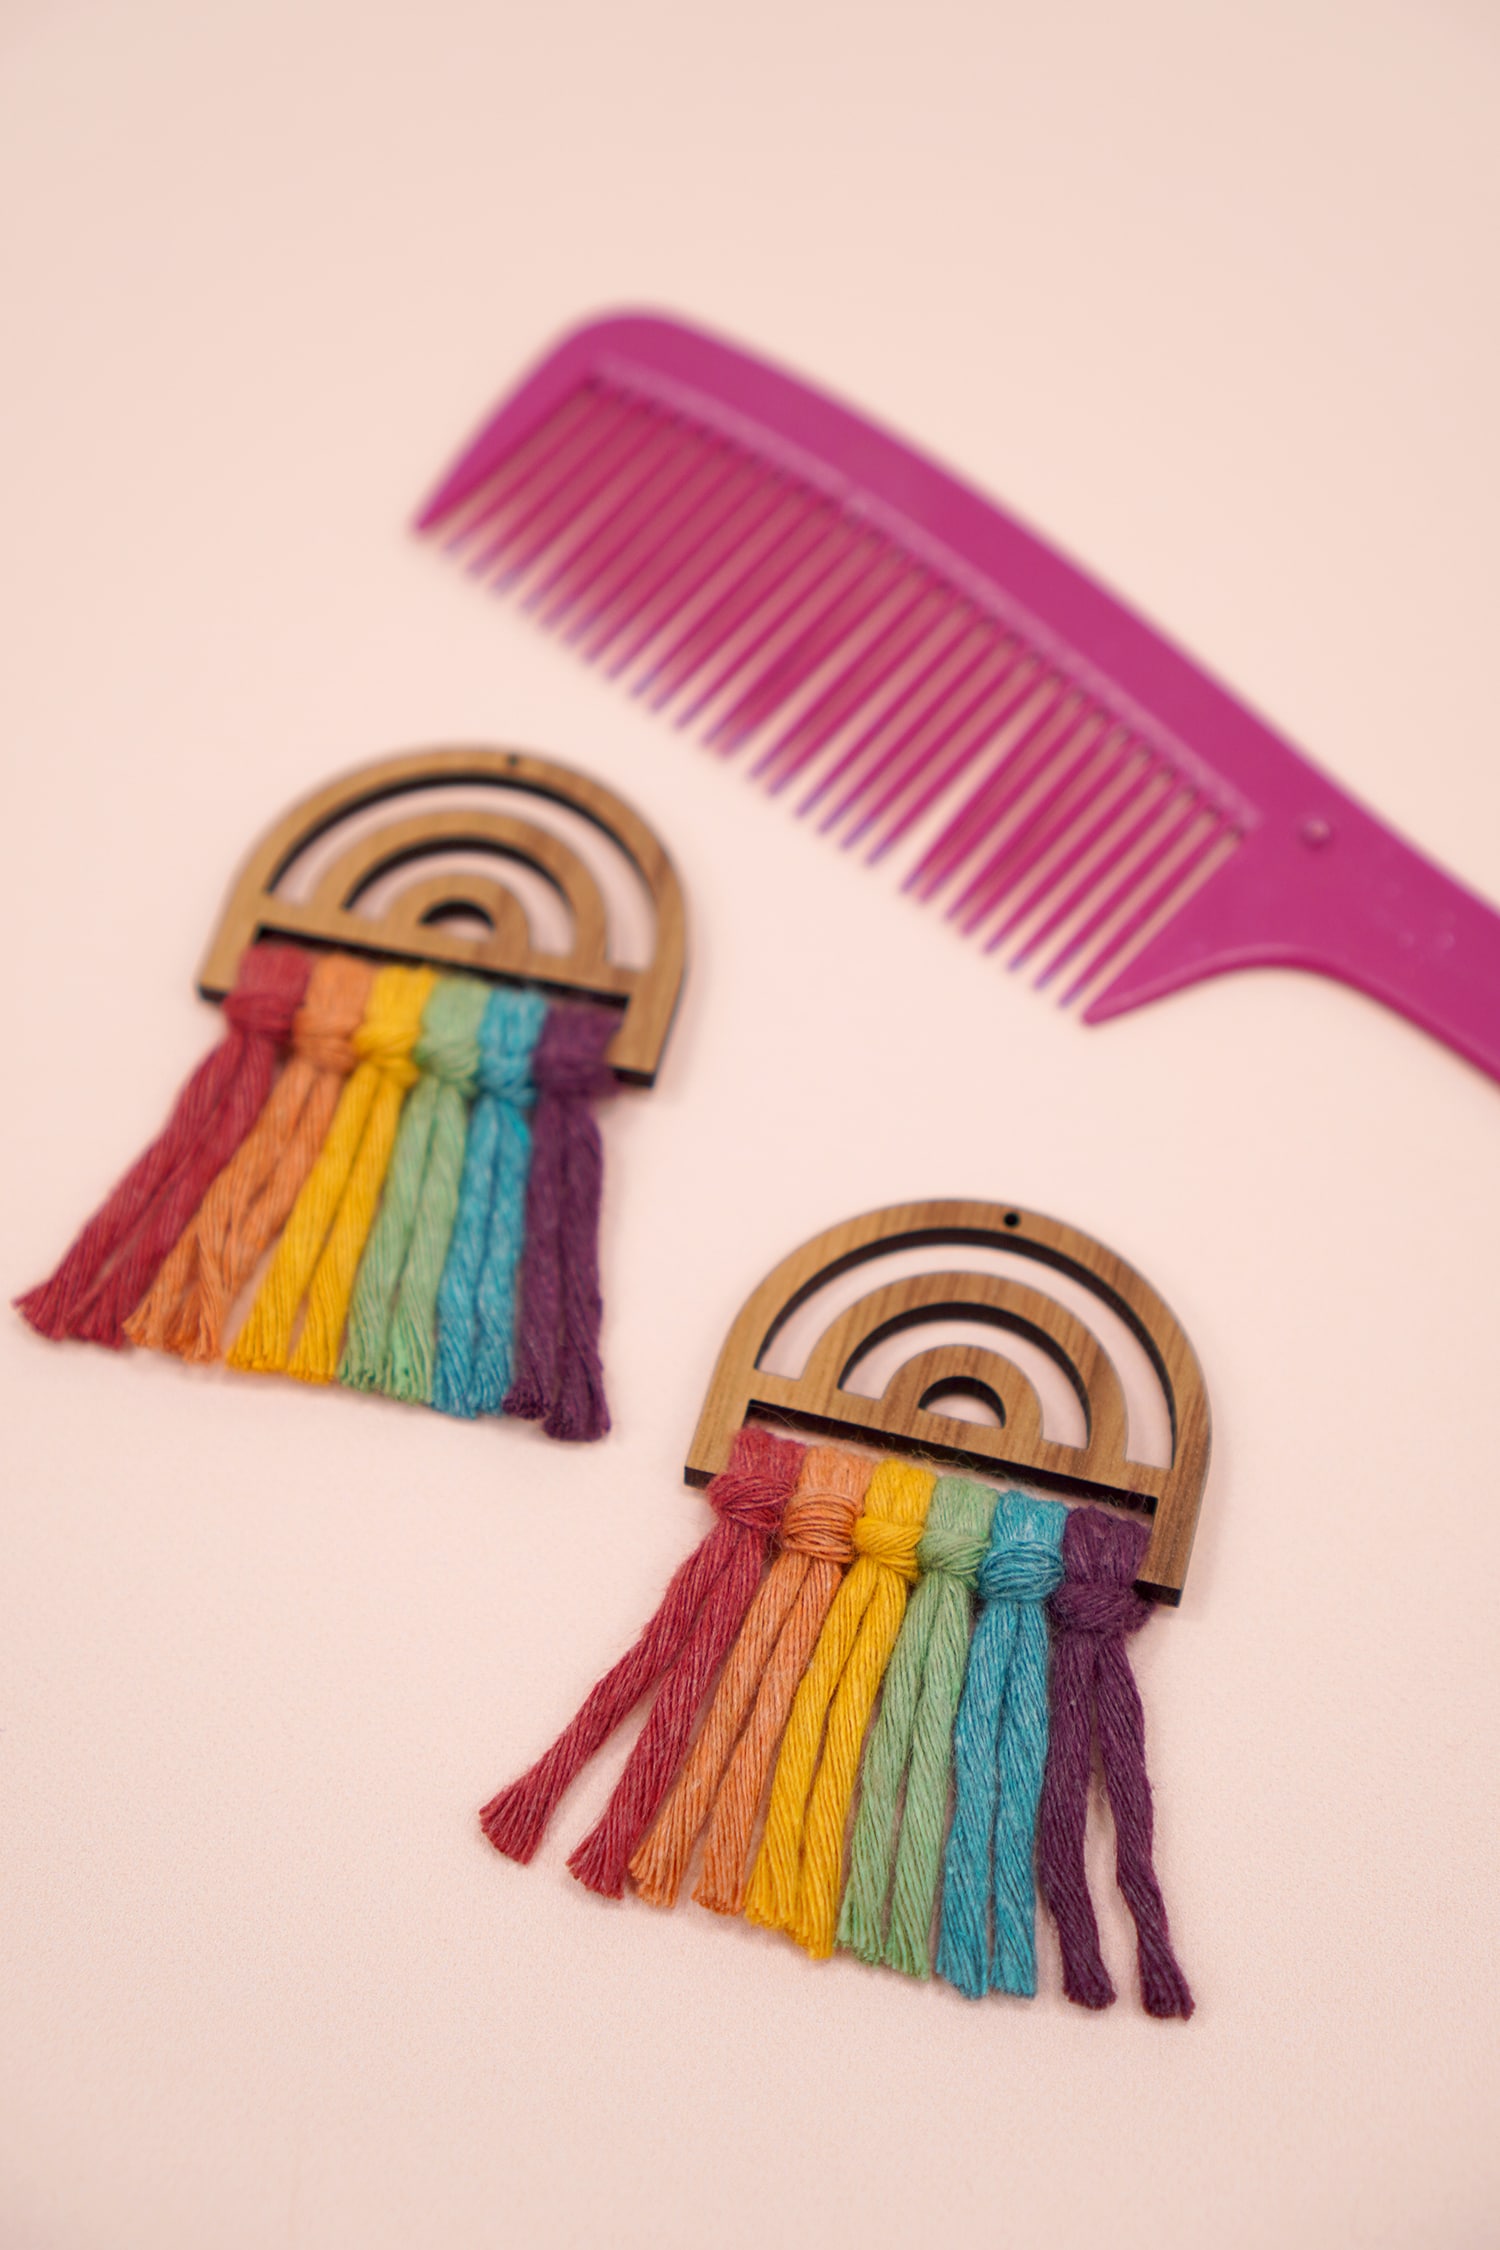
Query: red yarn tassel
(601,1860)
(700,1615)
(115,1258)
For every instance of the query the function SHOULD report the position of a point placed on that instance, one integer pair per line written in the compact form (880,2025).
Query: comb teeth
(754,598)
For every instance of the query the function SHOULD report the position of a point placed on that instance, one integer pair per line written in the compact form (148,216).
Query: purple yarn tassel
(1093,1610)
(559,1378)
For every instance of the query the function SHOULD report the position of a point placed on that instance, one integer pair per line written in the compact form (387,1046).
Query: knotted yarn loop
(573,1077)
(893,1544)
(324,1041)
(1023,1570)
(509,1031)
(820,1524)
(264,1003)
(388,1046)
(507,1077)
(338,992)
(752,1497)
(952,1551)
(1082,1605)
(453,1061)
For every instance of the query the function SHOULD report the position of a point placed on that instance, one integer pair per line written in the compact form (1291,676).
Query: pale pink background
(1207,292)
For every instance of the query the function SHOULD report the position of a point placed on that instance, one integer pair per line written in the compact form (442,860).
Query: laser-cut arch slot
(902,1416)
(445,899)
(1002,1304)
(408,842)
(973,1387)
(423,919)
(973,1372)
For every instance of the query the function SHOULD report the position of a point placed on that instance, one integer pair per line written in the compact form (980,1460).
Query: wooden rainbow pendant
(877,1686)
(388,1172)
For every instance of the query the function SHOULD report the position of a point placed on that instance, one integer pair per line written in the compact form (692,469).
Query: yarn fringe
(116,1257)
(835,1672)
(415,1249)
(476,1304)
(188,1305)
(559,1378)
(724,1775)
(988,1934)
(319,1252)
(1093,1611)
(795,1882)
(903,1783)
(428,1168)
(393,1311)
(676,1655)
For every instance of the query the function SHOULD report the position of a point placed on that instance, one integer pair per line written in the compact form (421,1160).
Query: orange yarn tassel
(113,1262)
(249,1201)
(795,1885)
(675,1657)
(755,1693)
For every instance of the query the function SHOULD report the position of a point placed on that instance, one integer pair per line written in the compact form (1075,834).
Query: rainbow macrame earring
(400,1117)
(898,1676)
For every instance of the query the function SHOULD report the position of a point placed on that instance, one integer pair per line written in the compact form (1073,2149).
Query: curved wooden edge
(1006,1304)
(427,904)
(741,1388)
(970,1369)
(399,842)
(649,995)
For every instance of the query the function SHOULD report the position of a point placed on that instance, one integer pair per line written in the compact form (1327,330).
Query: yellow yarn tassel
(725,1773)
(264,1344)
(795,1886)
(319,1251)
(385,1040)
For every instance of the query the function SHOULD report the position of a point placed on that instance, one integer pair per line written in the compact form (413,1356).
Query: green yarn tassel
(393,1313)
(379,1272)
(913,1740)
(453,1058)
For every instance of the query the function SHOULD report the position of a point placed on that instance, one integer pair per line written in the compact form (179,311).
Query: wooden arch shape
(904,1420)
(416,925)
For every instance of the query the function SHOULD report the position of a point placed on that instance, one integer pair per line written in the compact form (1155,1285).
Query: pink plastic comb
(927,674)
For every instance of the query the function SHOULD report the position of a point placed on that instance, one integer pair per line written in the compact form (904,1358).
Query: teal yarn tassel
(913,1740)
(999,1755)
(448,1051)
(453,1372)
(476,1299)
